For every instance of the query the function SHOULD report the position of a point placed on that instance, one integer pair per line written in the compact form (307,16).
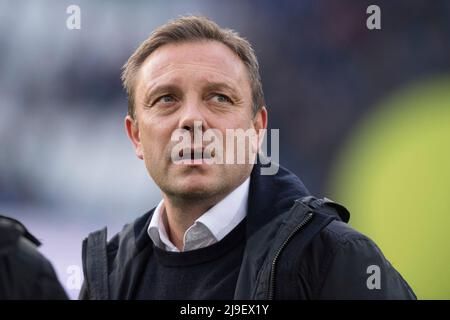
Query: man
(222,230)
(24,272)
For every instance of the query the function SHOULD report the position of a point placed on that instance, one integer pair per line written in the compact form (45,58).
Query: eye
(166,99)
(221,98)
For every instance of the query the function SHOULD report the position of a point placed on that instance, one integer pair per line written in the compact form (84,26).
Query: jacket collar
(271,195)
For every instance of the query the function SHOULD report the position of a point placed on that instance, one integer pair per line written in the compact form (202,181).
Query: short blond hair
(193,28)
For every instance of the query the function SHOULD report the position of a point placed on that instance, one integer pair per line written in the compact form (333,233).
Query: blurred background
(364,118)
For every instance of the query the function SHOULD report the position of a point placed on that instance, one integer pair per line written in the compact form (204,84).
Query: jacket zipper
(271,290)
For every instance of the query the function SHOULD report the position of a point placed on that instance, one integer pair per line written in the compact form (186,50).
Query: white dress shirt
(209,228)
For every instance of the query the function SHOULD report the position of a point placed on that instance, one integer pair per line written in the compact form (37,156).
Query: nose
(192,117)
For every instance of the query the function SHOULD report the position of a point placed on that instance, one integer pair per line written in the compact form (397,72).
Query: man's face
(177,85)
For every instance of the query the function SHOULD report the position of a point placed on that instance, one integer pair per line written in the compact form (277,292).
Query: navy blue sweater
(206,273)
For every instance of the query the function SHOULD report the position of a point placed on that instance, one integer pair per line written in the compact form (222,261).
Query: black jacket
(24,272)
(298,247)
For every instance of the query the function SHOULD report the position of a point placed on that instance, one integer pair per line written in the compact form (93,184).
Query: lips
(198,154)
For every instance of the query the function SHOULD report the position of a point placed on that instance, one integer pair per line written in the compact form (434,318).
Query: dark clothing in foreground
(296,247)
(24,272)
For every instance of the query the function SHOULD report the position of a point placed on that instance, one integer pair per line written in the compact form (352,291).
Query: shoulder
(338,234)
(339,245)
(17,242)
(30,274)
(342,261)
(123,243)
(338,239)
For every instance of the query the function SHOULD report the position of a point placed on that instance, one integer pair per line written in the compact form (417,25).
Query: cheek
(155,139)
(234,123)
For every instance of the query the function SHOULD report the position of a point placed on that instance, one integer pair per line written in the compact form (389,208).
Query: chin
(192,182)
(196,185)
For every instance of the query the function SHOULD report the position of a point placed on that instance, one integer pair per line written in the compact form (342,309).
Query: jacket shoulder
(130,233)
(29,274)
(346,264)
(131,236)
(340,233)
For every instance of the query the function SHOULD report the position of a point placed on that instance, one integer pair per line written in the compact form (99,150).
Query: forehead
(211,58)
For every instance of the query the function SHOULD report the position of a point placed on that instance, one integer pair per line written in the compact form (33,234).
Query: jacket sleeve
(47,284)
(26,274)
(358,270)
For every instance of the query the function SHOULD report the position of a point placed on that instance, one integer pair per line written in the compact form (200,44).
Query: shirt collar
(225,215)
(157,230)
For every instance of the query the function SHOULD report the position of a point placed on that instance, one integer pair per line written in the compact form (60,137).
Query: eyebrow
(213,86)
(165,88)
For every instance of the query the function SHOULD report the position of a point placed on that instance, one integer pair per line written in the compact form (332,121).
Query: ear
(132,129)
(260,123)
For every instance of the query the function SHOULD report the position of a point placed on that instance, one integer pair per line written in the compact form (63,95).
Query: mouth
(196,156)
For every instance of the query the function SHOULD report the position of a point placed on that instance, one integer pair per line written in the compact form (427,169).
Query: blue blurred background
(67,167)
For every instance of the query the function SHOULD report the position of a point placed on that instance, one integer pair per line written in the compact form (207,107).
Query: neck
(180,214)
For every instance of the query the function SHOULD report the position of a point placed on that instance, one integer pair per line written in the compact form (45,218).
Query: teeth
(200,154)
